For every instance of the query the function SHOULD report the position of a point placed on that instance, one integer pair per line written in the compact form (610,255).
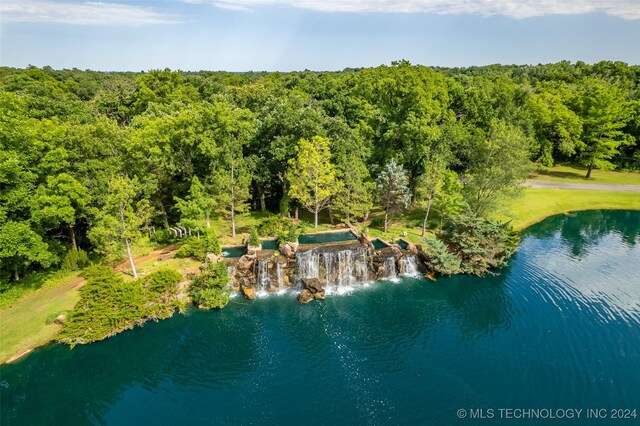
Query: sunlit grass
(576,174)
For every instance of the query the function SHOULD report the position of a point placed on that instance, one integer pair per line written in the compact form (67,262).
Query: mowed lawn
(23,325)
(539,203)
(576,174)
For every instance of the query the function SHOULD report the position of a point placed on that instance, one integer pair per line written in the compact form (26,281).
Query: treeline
(92,160)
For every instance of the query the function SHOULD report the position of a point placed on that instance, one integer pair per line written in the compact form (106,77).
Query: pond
(326,237)
(558,329)
(233,252)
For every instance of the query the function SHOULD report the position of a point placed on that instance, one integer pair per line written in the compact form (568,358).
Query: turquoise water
(269,244)
(328,237)
(558,329)
(377,244)
(233,252)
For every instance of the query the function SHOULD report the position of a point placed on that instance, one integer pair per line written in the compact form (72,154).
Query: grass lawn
(576,174)
(23,325)
(539,203)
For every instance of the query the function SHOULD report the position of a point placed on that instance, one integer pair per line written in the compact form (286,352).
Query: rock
(249,293)
(287,251)
(319,295)
(60,319)
(312,284)
(285,280)
(235,285)
(253,249)
(305,297)
(294,246)
(282,260)
(245,263)
(213,258)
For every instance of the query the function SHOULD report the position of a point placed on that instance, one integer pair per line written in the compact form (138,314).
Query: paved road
(587,186)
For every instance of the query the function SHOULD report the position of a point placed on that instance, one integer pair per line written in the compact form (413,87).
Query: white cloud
(519,9)
(81,13)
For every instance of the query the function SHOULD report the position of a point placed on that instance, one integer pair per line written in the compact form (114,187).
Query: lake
(559,329)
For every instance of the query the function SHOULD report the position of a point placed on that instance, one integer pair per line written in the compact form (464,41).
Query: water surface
(559,328)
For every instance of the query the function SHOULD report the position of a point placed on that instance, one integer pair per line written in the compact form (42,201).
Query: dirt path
(585,186)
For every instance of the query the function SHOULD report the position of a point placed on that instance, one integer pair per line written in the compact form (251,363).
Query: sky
(287,35)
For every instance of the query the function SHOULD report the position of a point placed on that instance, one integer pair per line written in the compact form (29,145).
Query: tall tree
(21,247)
(429,184)
(119,223)
(311,175)
(393,190)
(497,166)
(197,206)
(62,201)
(604,112)
(450,201)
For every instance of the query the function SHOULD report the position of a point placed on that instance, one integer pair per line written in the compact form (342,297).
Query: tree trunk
(589,171)
(330,216)
(386,219)
(426,217)
(315,217)
(233,220)
(366,216)
(73,238)
(208,220)
(133,265)
(16,275)
(297,213)
(263,204)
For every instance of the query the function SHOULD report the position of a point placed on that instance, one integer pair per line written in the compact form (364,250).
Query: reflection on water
(558,328)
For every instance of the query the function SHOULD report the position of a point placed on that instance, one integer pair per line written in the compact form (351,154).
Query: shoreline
(25,351)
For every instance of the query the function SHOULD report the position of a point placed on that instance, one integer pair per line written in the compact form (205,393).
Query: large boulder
(305,297)
(319,295)
(288,250)
(60,319)
(249,292)
(214,258)
(312,284)
(245,263)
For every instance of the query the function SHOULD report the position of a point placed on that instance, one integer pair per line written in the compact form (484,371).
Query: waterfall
(231,272)
(262,275)
(409,266)
(337,270)
(389,269)
(279,277)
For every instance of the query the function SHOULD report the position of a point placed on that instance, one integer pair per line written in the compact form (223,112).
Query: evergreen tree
(393,190)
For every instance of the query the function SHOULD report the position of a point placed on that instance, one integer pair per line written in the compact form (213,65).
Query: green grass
(24,323)
(576,174)
(539,203)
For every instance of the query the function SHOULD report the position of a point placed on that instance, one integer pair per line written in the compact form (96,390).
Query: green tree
(393,190)
(604,112)
(311,175)
(450,201)
(62,201)
(119,223)
(429,184)
(497,167)
(197,206)
(21,247)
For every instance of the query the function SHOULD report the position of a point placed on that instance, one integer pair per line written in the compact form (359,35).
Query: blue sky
(243,35)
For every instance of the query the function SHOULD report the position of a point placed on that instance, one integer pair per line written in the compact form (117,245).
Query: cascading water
(338,269)
(409,266)
(280,277)
(262,275)
(231,272)
(389,269)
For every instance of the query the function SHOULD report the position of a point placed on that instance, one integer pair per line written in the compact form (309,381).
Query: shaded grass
(540,203)
(24,324)
(576,174)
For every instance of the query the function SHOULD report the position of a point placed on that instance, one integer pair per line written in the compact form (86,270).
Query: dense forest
(91,161)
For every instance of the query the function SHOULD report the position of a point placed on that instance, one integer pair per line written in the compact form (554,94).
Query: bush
(75,260)
(192,248)
(254,237)
(209,290)
(272,226)
(441,260)
(164,237)
(211,242)
(109,305)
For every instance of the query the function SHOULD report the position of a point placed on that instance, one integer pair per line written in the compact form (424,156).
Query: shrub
(209,290)
(192,248)
(254,237)
(74,260)
(211,242)
(441,260)
(109,305)
(163,237)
